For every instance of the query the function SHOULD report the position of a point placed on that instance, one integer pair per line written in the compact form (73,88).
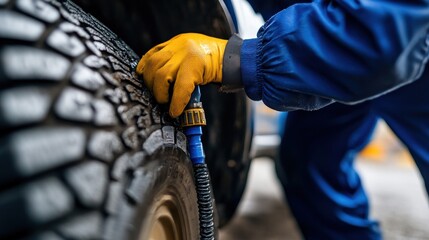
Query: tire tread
(76,124)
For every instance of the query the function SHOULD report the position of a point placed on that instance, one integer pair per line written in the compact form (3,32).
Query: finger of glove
(164,77)
(152,65)
(187,77)
(147,55)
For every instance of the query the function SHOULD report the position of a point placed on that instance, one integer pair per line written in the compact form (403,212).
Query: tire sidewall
(168,171)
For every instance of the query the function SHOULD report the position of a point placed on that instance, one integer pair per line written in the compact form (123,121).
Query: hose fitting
(192,120)
(194,116)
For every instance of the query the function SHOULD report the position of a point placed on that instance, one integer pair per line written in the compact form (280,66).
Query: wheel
(144,23)
(168,201)
(227,137)
(85,151)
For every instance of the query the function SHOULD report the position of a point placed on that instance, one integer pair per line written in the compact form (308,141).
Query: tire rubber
(82,142)
(228,134)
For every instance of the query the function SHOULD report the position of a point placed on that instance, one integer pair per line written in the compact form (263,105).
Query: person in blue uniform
(354,61)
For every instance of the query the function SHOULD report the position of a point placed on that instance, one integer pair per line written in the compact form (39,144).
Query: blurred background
(394,186)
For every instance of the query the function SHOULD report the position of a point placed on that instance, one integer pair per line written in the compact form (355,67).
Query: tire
(165,190)
(85,151)
(227,137)
(143,24)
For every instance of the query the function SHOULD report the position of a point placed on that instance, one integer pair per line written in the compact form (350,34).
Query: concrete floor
(395,190)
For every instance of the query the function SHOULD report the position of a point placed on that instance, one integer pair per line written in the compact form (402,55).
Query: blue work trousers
(318,149)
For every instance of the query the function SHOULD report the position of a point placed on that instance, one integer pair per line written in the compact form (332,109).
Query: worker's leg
(316,170)
(406,111)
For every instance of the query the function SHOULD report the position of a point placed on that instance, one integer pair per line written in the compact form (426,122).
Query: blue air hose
(192,119)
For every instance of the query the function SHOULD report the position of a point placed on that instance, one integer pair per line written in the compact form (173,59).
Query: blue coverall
(358,59)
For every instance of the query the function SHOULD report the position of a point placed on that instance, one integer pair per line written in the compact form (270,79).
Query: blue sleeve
(312,54)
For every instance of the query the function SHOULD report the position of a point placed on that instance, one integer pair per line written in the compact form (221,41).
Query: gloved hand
(183,62)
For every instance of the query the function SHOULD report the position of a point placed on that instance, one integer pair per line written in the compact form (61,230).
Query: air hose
(192,119)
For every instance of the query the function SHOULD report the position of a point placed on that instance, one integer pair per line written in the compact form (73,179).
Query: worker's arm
(305,57)
(311,54)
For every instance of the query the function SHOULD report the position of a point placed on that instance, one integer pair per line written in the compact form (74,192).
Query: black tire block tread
(32,151)
(130,137)
(17,26)
(77,126)
(86,78)
(116,228)
(96,62)
(114,197)
(138,185)
(75,105)
(23,105)
(120,166)
(104,145)
(39,9)
(84,227)
(153,142)
(34,204)
(89,182)
(69,45)
(137,159)
(72,28)
(30,63)
(105,114)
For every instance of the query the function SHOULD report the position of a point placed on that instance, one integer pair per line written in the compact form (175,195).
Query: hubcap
(164,222)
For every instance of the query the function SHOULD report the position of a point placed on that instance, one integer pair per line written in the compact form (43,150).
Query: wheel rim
(165,221)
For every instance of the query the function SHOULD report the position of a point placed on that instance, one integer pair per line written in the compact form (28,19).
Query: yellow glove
(184,61)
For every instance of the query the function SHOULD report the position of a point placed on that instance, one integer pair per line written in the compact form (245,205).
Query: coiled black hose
(205,202)
(192,120)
